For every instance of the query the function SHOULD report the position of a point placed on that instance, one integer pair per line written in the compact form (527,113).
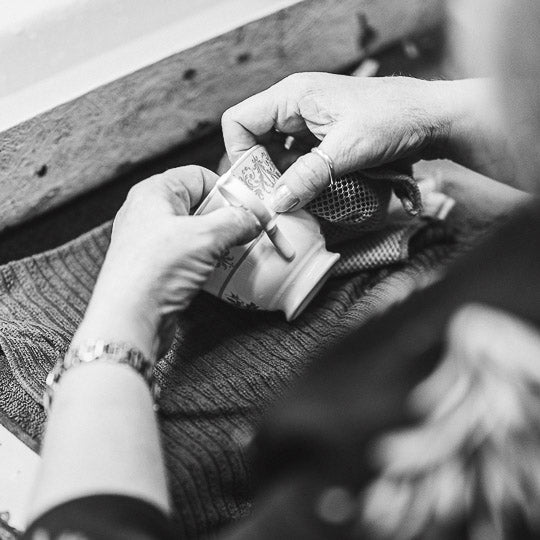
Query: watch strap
(103,351)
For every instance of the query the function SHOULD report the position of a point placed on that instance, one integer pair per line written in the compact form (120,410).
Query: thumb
(308,176)
(230,226)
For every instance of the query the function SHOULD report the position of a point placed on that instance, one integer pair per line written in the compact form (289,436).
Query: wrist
(100,352)
(122,314)
(457,116)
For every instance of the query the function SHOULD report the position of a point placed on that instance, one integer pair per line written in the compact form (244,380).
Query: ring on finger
(328,162)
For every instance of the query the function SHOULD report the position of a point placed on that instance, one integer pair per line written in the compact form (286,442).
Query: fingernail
(283,199)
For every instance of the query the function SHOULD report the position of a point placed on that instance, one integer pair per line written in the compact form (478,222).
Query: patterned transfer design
(260,174)
(226,260)
(235,300)
(353,214)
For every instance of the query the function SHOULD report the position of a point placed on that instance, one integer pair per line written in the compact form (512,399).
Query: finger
(242,123)
(257,115)
(182,187)
(229,227)
(309,175)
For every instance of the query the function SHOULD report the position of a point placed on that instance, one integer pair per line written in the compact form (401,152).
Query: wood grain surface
(86,142)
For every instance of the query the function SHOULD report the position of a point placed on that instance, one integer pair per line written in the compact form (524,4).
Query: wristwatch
(115,353)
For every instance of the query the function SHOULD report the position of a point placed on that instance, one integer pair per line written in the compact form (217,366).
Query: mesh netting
(375,249)
(358,202)
(353,199)
(352,211)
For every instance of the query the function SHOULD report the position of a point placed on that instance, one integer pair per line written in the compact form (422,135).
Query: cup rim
(246,154)
(206,201)
(214,190)
(228,185)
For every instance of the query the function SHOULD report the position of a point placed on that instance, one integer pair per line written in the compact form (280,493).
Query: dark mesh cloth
(358,201)
(100,517)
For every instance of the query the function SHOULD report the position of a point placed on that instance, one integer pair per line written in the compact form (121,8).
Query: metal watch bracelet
(99,350)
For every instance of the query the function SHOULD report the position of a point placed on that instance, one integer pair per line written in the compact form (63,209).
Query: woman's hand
(159,258)
(360,122)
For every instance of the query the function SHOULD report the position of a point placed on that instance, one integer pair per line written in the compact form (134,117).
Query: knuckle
(228,116)
(182,192)
(290,79)
(233,114)
(190,170)
(177,181)
(206,235)
(214,244)
(298,82)
(137,191)
(218,247)
(237,218)
(294,79)
(289,84)
(174,178)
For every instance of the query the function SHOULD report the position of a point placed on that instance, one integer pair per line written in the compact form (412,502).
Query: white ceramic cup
(256,276)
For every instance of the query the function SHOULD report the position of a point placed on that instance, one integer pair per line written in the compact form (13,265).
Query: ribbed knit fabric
(225,367)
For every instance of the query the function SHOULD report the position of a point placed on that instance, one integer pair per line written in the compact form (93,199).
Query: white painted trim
(193,23)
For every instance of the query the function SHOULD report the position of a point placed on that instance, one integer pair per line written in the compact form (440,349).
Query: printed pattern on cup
(226,260)
(235,300)
(254,276)
(259,173)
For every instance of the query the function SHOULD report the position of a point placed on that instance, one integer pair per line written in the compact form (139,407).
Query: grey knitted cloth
(225,367)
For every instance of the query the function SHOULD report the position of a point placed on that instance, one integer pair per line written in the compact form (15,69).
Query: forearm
(102,438)
(119,311)
(471,133)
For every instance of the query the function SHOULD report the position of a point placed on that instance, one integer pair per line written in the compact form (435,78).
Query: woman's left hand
(160,257)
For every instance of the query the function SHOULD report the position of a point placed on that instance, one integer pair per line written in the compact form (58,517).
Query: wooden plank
(87,141)
(107,40)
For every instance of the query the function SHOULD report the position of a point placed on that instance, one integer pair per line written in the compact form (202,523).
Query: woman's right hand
(360,122)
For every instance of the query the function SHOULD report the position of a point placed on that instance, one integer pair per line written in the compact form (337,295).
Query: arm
(102,436)
(474,136)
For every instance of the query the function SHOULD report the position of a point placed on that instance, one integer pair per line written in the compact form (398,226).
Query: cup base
(305,284)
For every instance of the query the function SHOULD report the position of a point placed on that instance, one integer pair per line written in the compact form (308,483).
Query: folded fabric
(225,367)
(365,229)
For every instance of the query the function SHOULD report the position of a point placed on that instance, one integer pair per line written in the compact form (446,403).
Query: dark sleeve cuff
(103,517)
